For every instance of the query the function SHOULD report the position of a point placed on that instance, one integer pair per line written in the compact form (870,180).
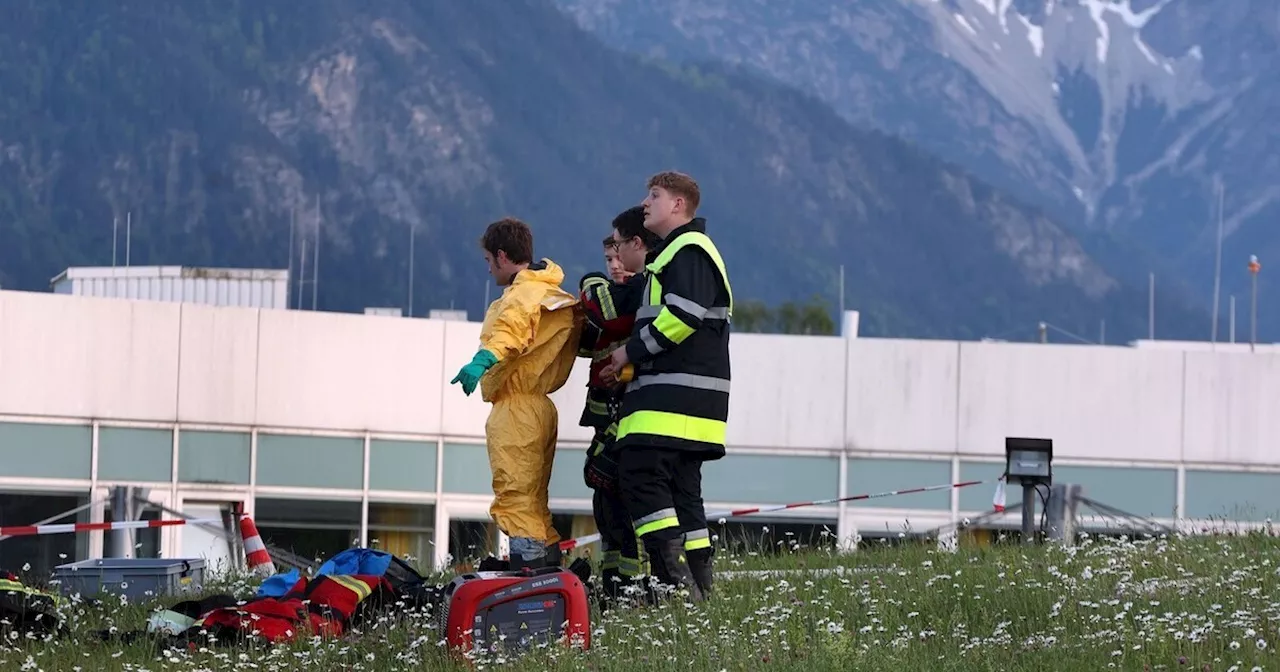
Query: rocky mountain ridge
(219,126)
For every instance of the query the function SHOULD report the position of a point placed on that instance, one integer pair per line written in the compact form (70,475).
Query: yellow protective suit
(533,331)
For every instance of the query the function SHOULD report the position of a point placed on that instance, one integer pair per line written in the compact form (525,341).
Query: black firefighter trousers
(662,491)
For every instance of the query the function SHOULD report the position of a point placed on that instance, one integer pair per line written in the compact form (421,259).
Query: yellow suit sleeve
(514,327)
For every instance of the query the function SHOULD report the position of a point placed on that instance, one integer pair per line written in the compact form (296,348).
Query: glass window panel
(31,450)
(770,479)
(214,457)
(566,474)
(1233,495)
(1139,491)
(310,461)
(872,476)
(36,555)
(470,541)
(409,466)
(133,454)
(979,497)
(466,469)
(313,529)
(404,530)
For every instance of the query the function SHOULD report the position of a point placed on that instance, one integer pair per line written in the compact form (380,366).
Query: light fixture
(1028,461)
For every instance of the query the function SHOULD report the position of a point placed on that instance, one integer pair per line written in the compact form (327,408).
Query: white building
(341,428)
(246,287)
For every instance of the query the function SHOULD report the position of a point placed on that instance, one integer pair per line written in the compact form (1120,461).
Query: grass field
(1173,604)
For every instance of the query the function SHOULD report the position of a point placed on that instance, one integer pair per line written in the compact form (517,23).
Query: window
(220,458)
(314,529)
(404,530)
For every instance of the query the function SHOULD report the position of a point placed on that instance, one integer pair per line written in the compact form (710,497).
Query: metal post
(1217,267)
(115,232)
(1254,267)
(1063,504)
(293,221)
(1044,332)
(1253,316)
(120,542)
(1102,333)
(1231,319)
(1151,307)
(413,233)
(1028,513)
(315,266)
(128,236)
(841,314)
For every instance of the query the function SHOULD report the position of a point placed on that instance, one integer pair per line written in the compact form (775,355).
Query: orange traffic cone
(256,556)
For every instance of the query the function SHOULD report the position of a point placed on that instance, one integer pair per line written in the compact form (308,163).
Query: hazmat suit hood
(529,328)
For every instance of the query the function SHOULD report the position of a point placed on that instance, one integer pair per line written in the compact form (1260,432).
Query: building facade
(341,429)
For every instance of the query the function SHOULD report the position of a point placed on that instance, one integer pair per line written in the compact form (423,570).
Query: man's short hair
(609,242)
(680,185)
(630,224)
(509,235)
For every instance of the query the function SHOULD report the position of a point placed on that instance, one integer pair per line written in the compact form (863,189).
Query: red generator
(528,607)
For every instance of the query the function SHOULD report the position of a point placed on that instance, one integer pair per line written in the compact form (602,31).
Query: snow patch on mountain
(1021,57)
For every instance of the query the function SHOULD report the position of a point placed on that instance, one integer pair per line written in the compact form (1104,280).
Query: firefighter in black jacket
(674,412)
(610,309)
(611,305)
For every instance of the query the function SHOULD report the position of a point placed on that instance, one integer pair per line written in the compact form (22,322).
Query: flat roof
(102,272)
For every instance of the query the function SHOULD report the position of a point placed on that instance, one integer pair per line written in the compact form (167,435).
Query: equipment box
(136,578)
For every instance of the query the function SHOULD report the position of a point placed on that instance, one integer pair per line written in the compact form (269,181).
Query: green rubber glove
(470,374)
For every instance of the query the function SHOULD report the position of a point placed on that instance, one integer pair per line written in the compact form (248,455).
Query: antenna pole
(115,228)
(128,236)
(1231,312)
(288,292)
(1254,267)
(315,266)
(840,317)
(1151,307)
(413,231)
(1217,267)
(302,274)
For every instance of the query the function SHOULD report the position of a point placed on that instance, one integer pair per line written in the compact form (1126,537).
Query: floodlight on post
(1029,462)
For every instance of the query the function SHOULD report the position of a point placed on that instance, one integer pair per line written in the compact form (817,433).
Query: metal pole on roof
(1151,307)
(128,236)
(413,230)
(115,232)
(302,274)
(840,317)
(293,221)
(1217,268)
(1231,318)
(315,266)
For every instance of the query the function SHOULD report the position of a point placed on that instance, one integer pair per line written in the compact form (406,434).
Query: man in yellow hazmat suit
(527,348)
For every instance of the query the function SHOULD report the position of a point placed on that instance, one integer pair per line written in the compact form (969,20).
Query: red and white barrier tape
(571,544)
(24,530)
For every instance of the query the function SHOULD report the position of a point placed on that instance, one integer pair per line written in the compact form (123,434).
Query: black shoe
(700,561)
(669,565)
(492,564)
(553,556)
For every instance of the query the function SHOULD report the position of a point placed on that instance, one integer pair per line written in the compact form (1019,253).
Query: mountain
(1113,115)
(216,127)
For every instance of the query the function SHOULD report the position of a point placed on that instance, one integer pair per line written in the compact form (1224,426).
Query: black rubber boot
(669,565)
(553,557)
(700,562)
